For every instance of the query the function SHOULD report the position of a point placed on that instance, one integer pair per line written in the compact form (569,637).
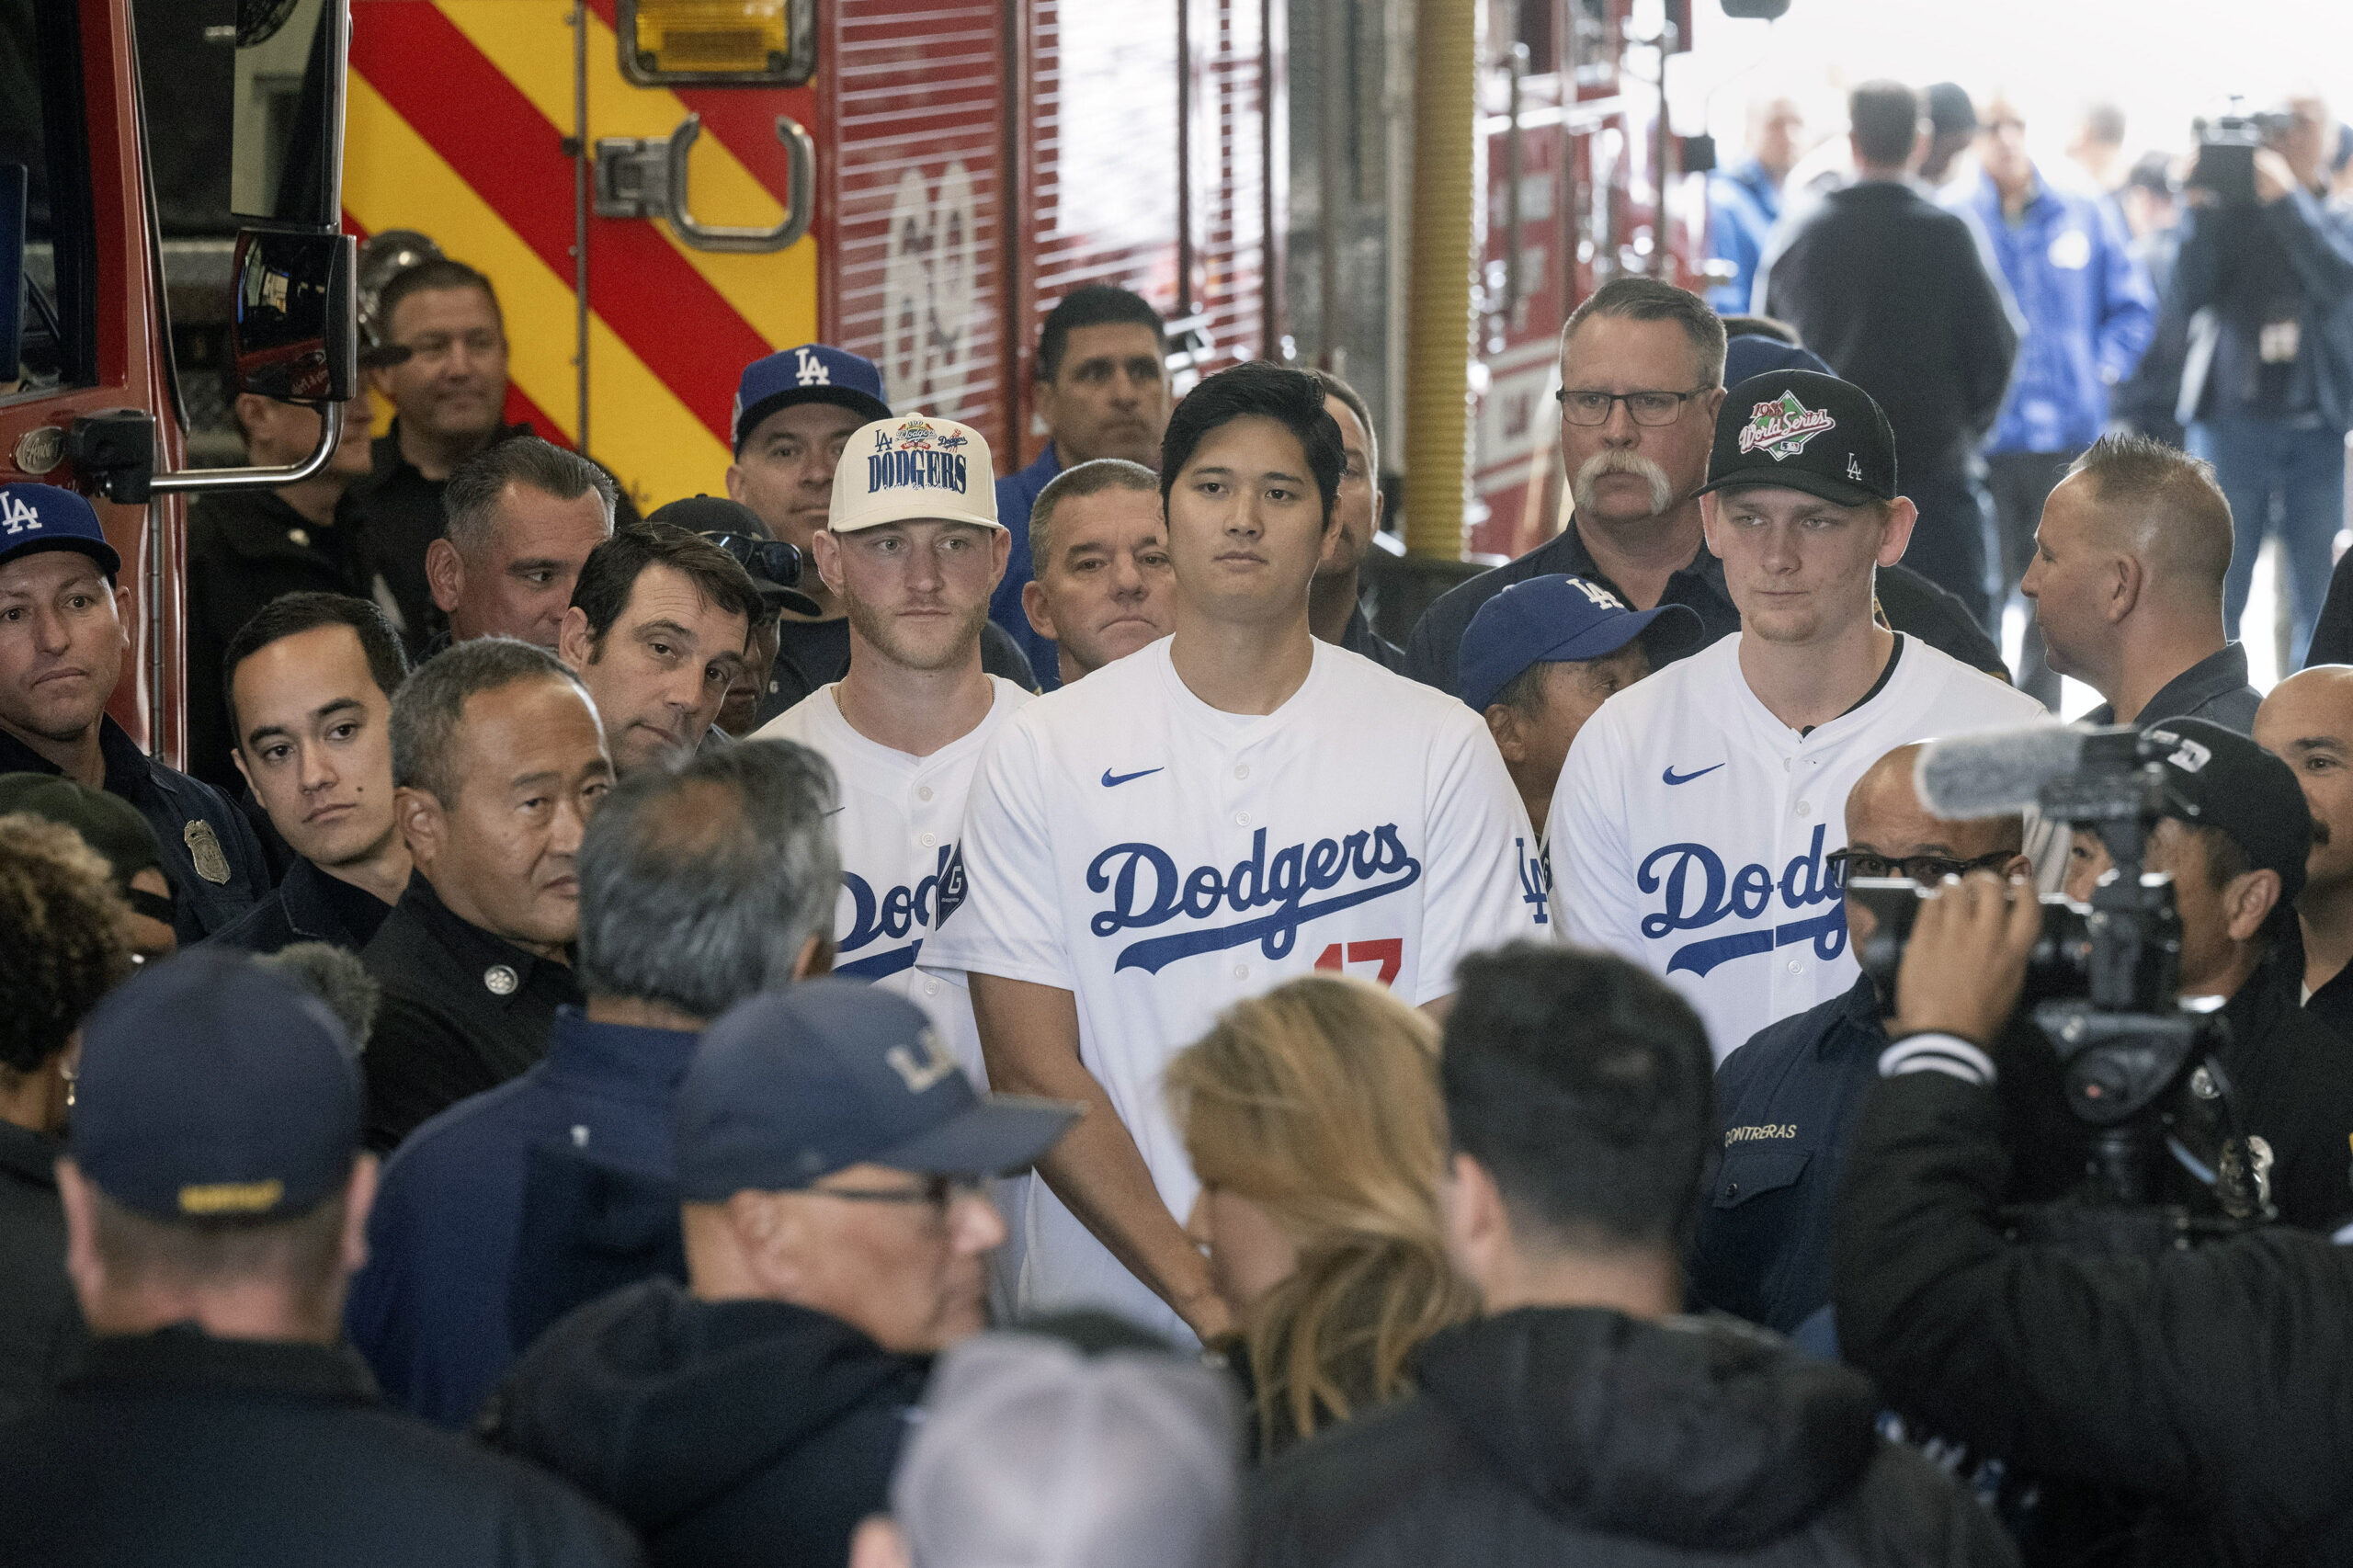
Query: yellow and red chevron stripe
(457,114)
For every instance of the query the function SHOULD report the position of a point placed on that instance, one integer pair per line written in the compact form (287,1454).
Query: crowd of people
(907,1015)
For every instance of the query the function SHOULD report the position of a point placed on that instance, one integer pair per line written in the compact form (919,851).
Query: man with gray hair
(2127,575)
(702,883)
(520,519)
(497,762)
(1032,1453)
(1641,376)
(1100,547)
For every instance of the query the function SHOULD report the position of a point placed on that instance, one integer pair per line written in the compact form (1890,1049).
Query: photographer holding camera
(2264,273)
(2211,1384)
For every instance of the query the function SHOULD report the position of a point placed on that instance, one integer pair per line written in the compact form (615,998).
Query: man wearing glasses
(1785,1100)
(1641,373)
(831,1162)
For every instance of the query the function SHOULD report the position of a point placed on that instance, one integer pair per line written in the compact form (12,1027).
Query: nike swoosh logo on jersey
(1674,777)
(1113,780)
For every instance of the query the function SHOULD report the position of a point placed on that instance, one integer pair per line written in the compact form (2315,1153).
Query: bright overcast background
(2163,61)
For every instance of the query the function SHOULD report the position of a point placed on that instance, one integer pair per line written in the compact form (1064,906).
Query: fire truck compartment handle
(800,181)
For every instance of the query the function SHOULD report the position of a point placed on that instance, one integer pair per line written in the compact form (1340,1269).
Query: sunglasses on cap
(772,559)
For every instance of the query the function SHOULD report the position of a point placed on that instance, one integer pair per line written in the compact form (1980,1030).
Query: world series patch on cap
(913,469)
(41,516)
(1803,430)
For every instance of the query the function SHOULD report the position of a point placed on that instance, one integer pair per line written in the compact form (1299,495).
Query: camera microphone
(1998,773)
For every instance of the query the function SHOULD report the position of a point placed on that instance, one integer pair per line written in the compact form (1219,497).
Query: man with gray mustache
(1641,376)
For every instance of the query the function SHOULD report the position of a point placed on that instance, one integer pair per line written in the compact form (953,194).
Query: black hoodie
(1561,1435)
(727,1432)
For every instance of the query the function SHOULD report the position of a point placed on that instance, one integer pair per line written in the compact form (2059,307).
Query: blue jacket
(1744,203)
(2240,267)
(2085,304)
(1016,493)
(429,1312)
(1787,1102)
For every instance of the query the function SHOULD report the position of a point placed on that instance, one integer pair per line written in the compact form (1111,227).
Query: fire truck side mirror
(286,132)
(293,332)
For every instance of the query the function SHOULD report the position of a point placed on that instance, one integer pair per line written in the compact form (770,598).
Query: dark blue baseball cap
(211,1088)
(42,516)
(1750,354)
(793,1085)
(1559,619)
(814,372)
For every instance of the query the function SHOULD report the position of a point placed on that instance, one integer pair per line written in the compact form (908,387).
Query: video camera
(2102,985)
(2226,149)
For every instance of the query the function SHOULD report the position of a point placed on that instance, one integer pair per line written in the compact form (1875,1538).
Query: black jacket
(727,1432)
(210,854)
(245,549)
(1907,602)
(462,1011)
(177,1448)
(309,907)
(41,1324)
(1579,1435)
(2240,270)
(1891,289)
(2213,1382)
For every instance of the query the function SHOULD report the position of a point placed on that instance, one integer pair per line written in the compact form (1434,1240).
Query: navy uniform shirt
(1359,637)
(1786,1101)
(211,856)
(463,1011)
(309,905)
(2214,687)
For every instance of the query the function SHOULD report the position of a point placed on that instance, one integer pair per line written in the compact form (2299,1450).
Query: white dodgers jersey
(897,828)
(1690,826)
(1161,860)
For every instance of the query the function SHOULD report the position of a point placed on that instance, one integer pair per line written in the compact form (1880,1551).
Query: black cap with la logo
(1803,430)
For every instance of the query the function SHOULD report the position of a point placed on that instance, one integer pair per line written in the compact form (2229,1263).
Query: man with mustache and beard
(1642,378)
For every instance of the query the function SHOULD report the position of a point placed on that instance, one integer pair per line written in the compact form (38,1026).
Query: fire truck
(664,190)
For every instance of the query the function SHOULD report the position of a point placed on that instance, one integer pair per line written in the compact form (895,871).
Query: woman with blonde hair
(1312,1119)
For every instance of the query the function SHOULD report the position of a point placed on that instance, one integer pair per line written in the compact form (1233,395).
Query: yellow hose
(1438,315)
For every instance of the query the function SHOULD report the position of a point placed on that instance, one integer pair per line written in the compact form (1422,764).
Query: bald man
(1788,1097)
(2127,581)
(2307,722)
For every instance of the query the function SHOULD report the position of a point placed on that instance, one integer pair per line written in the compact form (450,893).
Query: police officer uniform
(211,854)
(210,1089)
(309,905)
(462,1011)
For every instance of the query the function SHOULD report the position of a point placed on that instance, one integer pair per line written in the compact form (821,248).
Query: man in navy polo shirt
(795,413)
(64,628)
(1786,1099)
(1103,391)
(700,885)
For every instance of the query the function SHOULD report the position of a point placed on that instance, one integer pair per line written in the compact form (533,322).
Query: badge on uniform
(499,980)
(204,848)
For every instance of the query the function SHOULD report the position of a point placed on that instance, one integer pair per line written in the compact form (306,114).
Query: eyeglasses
(1583,407)
(1918,867)
(938,1191)
(770,558)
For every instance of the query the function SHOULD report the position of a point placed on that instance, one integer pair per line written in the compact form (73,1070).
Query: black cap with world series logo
(1803,430)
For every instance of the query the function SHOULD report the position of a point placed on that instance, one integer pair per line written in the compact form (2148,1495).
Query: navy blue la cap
(1802,430)
(211,1088)
(1552,619)
(814,372)
(41,516)
(791,1085)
